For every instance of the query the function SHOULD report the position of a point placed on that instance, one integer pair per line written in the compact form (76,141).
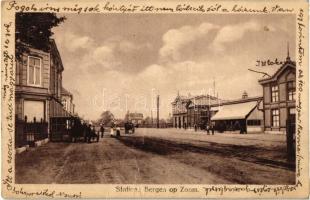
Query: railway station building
(279,102)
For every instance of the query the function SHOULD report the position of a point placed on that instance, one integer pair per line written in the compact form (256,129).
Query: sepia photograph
(131,99)
(126,99)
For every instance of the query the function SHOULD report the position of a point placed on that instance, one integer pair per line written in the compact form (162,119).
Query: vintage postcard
(154,99)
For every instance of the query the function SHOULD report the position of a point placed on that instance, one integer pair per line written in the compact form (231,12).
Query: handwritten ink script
(277,190)
(133,8)
(8,98)
(300,85)
(107,6)
(269,62)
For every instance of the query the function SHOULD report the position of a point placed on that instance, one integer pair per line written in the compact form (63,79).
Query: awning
(234,111)
(214,108)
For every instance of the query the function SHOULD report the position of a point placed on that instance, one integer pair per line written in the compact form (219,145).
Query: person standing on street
(102,130)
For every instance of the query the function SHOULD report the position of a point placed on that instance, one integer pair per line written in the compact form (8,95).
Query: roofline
(280,70)
(249,99)
(53,43)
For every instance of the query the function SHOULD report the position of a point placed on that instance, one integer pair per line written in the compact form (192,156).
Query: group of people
(89,132)
(207,127)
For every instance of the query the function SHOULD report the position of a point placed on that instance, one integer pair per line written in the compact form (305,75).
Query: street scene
(131,100)
(151,156)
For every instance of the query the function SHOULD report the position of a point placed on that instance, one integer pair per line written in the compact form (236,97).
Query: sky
(121,62)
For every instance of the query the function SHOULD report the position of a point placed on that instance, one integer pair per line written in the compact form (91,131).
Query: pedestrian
(207,128)
(195,126)
(212,128)
(85,130)
(102,130)
(89,133)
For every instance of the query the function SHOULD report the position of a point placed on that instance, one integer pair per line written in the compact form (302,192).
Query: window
(253,122)
(64,102)
(274,93)
(275,117)
(34,110)
(34,71)
(291,90)
(292,111)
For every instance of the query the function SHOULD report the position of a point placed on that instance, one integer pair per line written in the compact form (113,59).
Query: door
(290,134)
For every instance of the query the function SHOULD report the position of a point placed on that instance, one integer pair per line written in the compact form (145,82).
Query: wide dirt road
(158,157)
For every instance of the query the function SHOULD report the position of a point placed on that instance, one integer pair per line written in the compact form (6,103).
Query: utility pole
(152,117)
(157,111)
(213,87)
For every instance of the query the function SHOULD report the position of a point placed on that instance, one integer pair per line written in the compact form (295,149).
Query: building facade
(179,111)
(135,118)
(190,111)
(56,69)
(32,84)
(67,101)
(279,91)
(37,92)
(244,115)
(198,111)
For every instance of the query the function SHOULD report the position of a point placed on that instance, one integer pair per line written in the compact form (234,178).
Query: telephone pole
(157,111)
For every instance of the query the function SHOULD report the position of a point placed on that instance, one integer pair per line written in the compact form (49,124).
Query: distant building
(279,92)
(135,118)
(67,101)
(179,111)
(204,110)
(244,115)
(198,110)
(188,111)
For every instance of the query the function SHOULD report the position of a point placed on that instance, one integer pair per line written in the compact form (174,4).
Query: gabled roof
(274,77)
(196,101)
(180,98)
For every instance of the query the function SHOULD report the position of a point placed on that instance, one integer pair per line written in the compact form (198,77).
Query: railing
(27,133)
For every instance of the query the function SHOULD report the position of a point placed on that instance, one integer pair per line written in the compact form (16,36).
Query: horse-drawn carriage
(129,128)
(71,129)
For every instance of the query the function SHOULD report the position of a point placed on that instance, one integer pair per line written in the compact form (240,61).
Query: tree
(106,118)
(35,30)
(147,121)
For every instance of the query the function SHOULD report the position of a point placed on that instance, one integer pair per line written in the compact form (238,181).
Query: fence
(27,133)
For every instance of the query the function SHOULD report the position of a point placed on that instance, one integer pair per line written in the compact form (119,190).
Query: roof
(65,92)
(234,111)
(55,50)
(202,101)
(196,100)
(180,98)
(236,101)
(135,115)
(276,73)
(214,108)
